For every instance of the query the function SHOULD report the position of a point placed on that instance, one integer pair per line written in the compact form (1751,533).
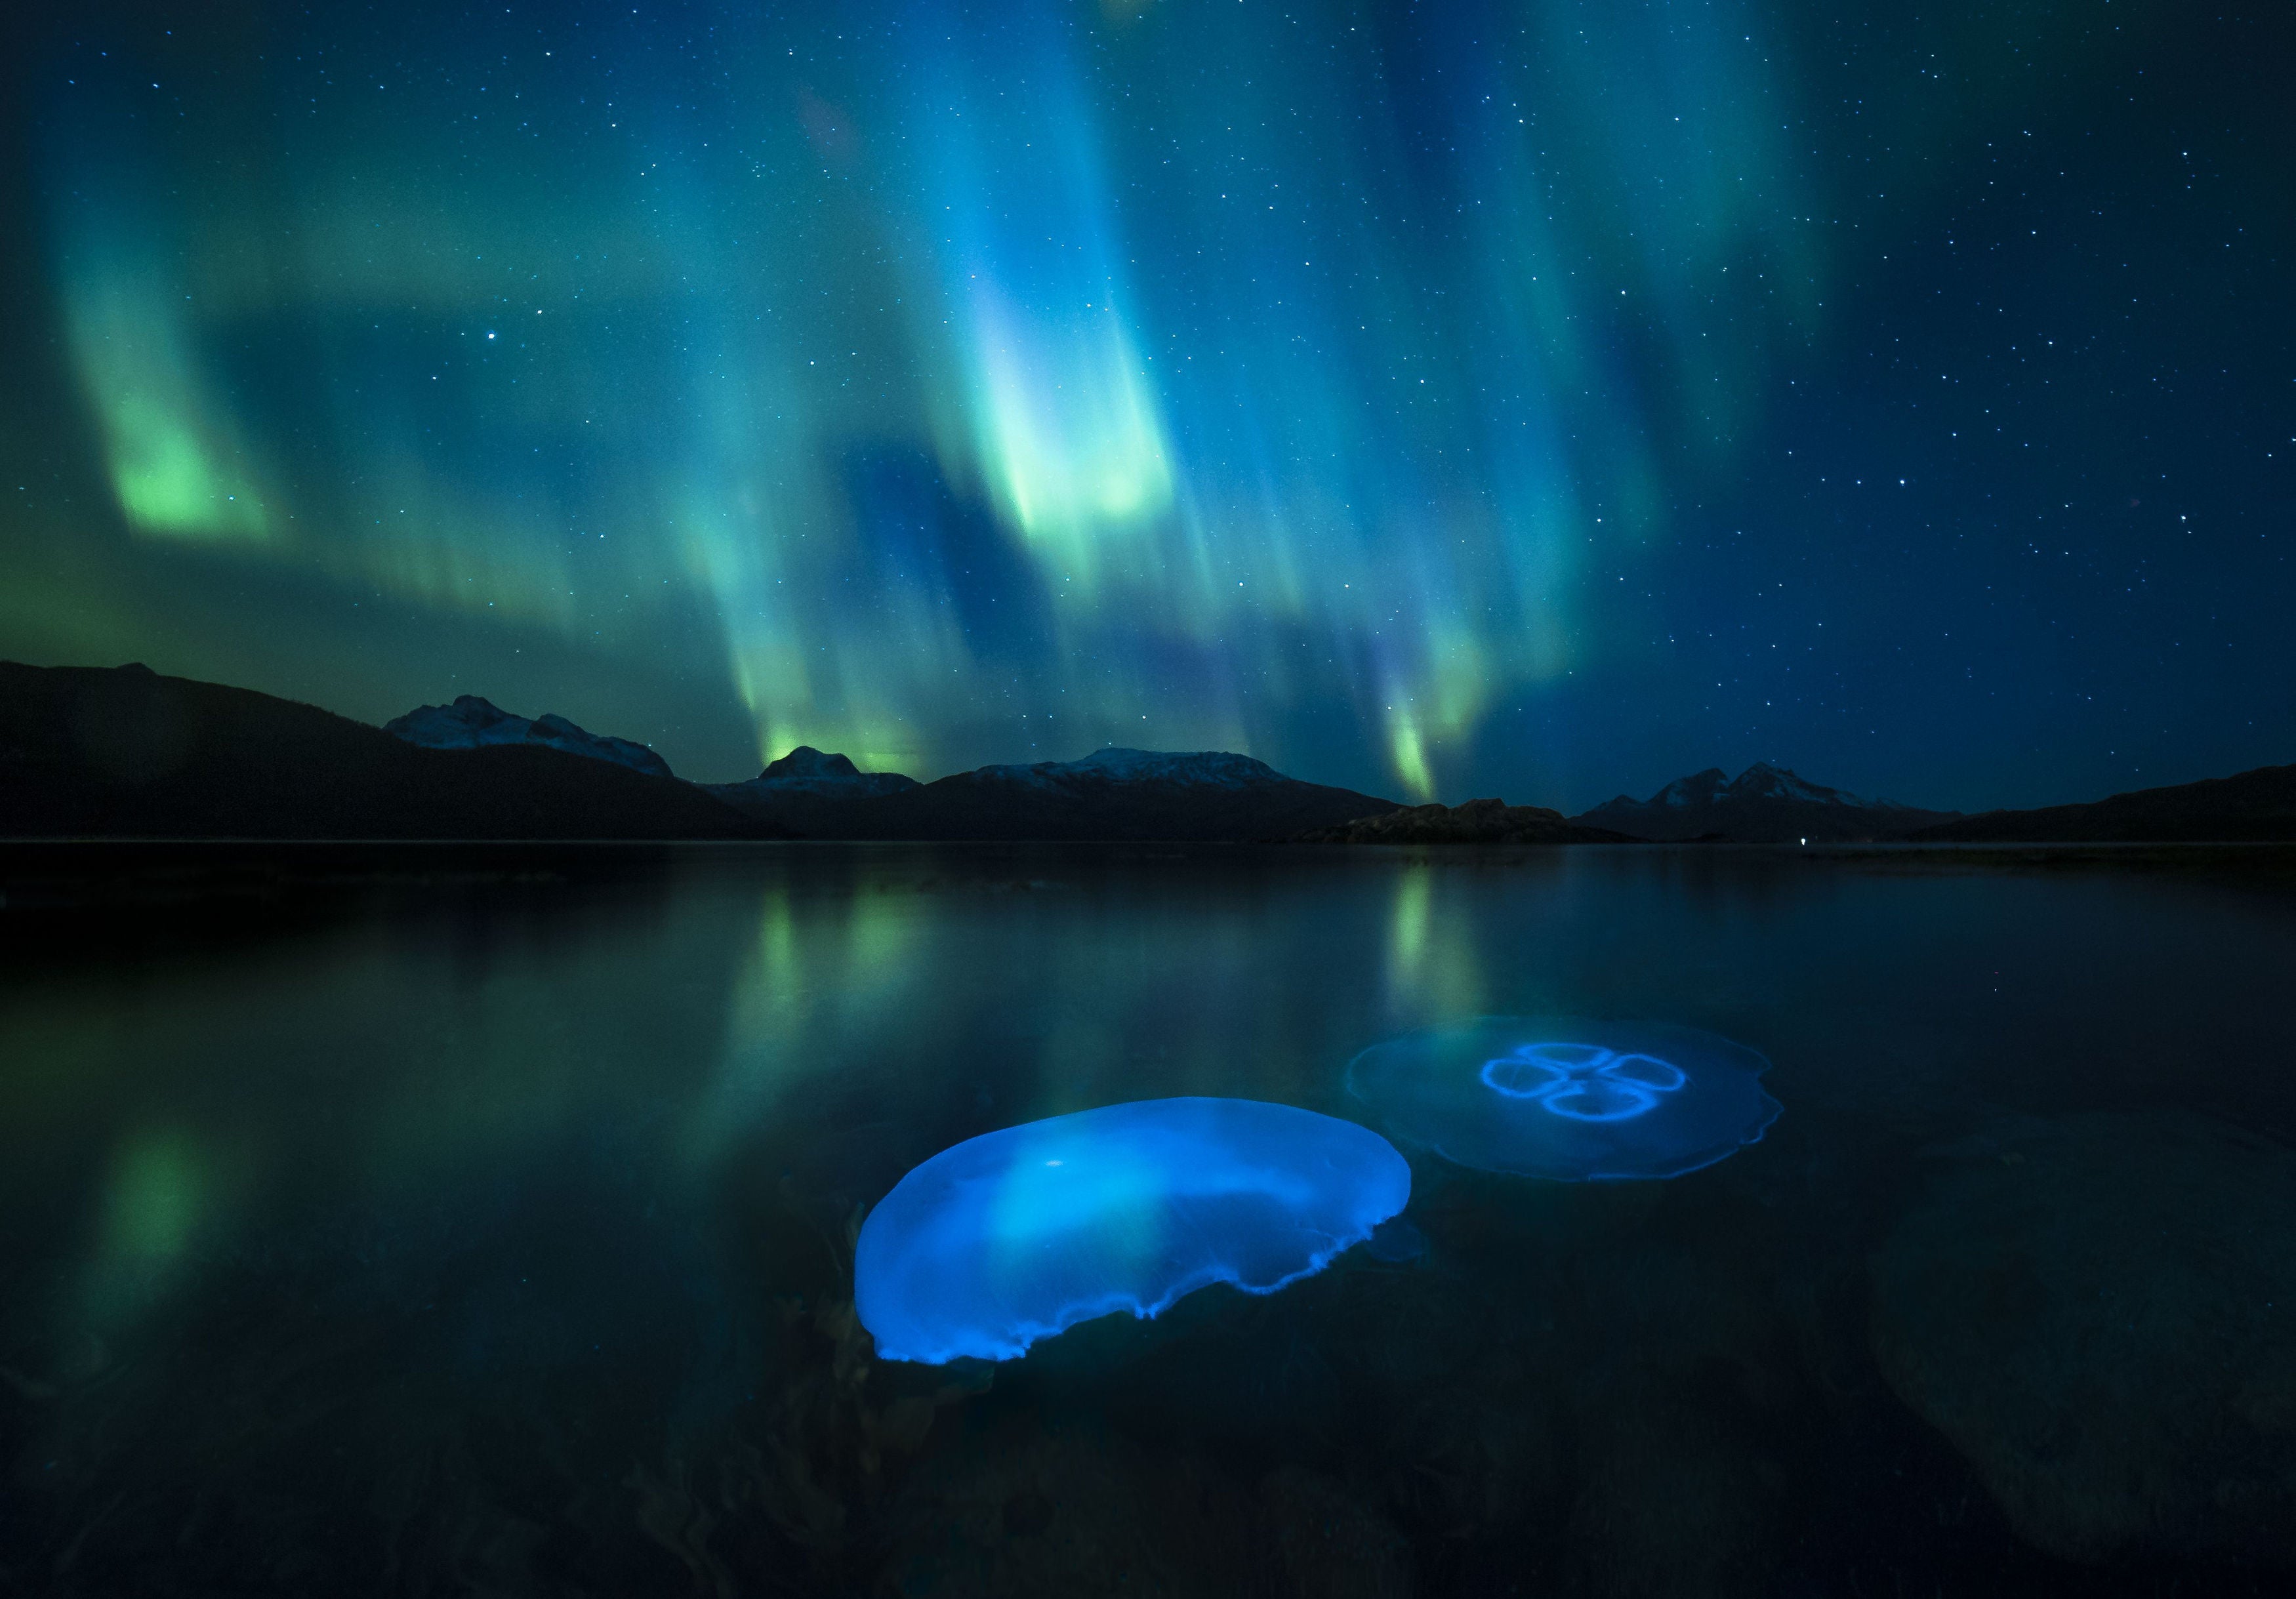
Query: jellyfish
(1019,1234)
(1396,1242)
(1566,1098)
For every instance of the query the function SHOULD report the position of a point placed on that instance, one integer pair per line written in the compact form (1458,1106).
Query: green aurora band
(937,384)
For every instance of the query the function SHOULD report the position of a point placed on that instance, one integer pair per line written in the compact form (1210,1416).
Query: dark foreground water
(490,1232)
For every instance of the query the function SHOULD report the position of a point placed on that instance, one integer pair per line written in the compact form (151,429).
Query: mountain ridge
(1763,805)
(471,722)
(1112,793)
(125,752)
(96,752)
(2258,806)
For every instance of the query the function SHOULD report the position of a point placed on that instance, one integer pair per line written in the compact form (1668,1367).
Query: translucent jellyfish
(1396,1241)
(1566,1098)
(1019,1234)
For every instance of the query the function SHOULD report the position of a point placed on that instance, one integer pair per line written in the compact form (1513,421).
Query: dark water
(493,1236)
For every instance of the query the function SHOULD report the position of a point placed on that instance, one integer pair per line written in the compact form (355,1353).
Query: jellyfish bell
(1568,1098)
(1019,1234)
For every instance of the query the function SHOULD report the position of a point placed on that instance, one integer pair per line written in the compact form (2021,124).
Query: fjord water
(494,1233)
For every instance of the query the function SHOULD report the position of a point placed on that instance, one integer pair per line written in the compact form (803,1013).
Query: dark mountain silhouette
(804,775)
(2251,807)
(1762,805)
(87,752)
(1477,822)
(1110,794)
(471,723)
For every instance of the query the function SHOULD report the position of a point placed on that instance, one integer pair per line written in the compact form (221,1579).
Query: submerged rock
(2100,1313)
(1673,1497)
(1025,1511)
(1016,1510)
(1320,1540)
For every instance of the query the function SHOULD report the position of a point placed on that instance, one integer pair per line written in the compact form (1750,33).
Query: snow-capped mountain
(1763,805)
(472,723)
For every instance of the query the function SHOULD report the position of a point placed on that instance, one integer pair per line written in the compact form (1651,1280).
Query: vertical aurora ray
(1056,412)
(1173,374)
(176,458)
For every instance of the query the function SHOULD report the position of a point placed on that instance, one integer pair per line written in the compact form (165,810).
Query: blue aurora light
(1567,1098)
(1020,1233)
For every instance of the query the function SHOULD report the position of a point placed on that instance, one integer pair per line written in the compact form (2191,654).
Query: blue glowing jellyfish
(1021,1234)
(1396,1242)
(1566,1098)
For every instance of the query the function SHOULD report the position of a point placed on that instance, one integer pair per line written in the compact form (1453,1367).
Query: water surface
(493,1233)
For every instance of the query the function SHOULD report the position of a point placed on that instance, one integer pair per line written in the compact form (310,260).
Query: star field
(1543,399)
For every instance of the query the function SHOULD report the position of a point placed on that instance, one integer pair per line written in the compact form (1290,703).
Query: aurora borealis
(1543,399)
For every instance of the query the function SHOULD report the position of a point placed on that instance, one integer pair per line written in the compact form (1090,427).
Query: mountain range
(88,753)
(1110,794)
(1116,793)
(2252,806)
(1762,805)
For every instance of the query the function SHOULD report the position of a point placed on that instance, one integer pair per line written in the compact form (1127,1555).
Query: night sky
(1546,398)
